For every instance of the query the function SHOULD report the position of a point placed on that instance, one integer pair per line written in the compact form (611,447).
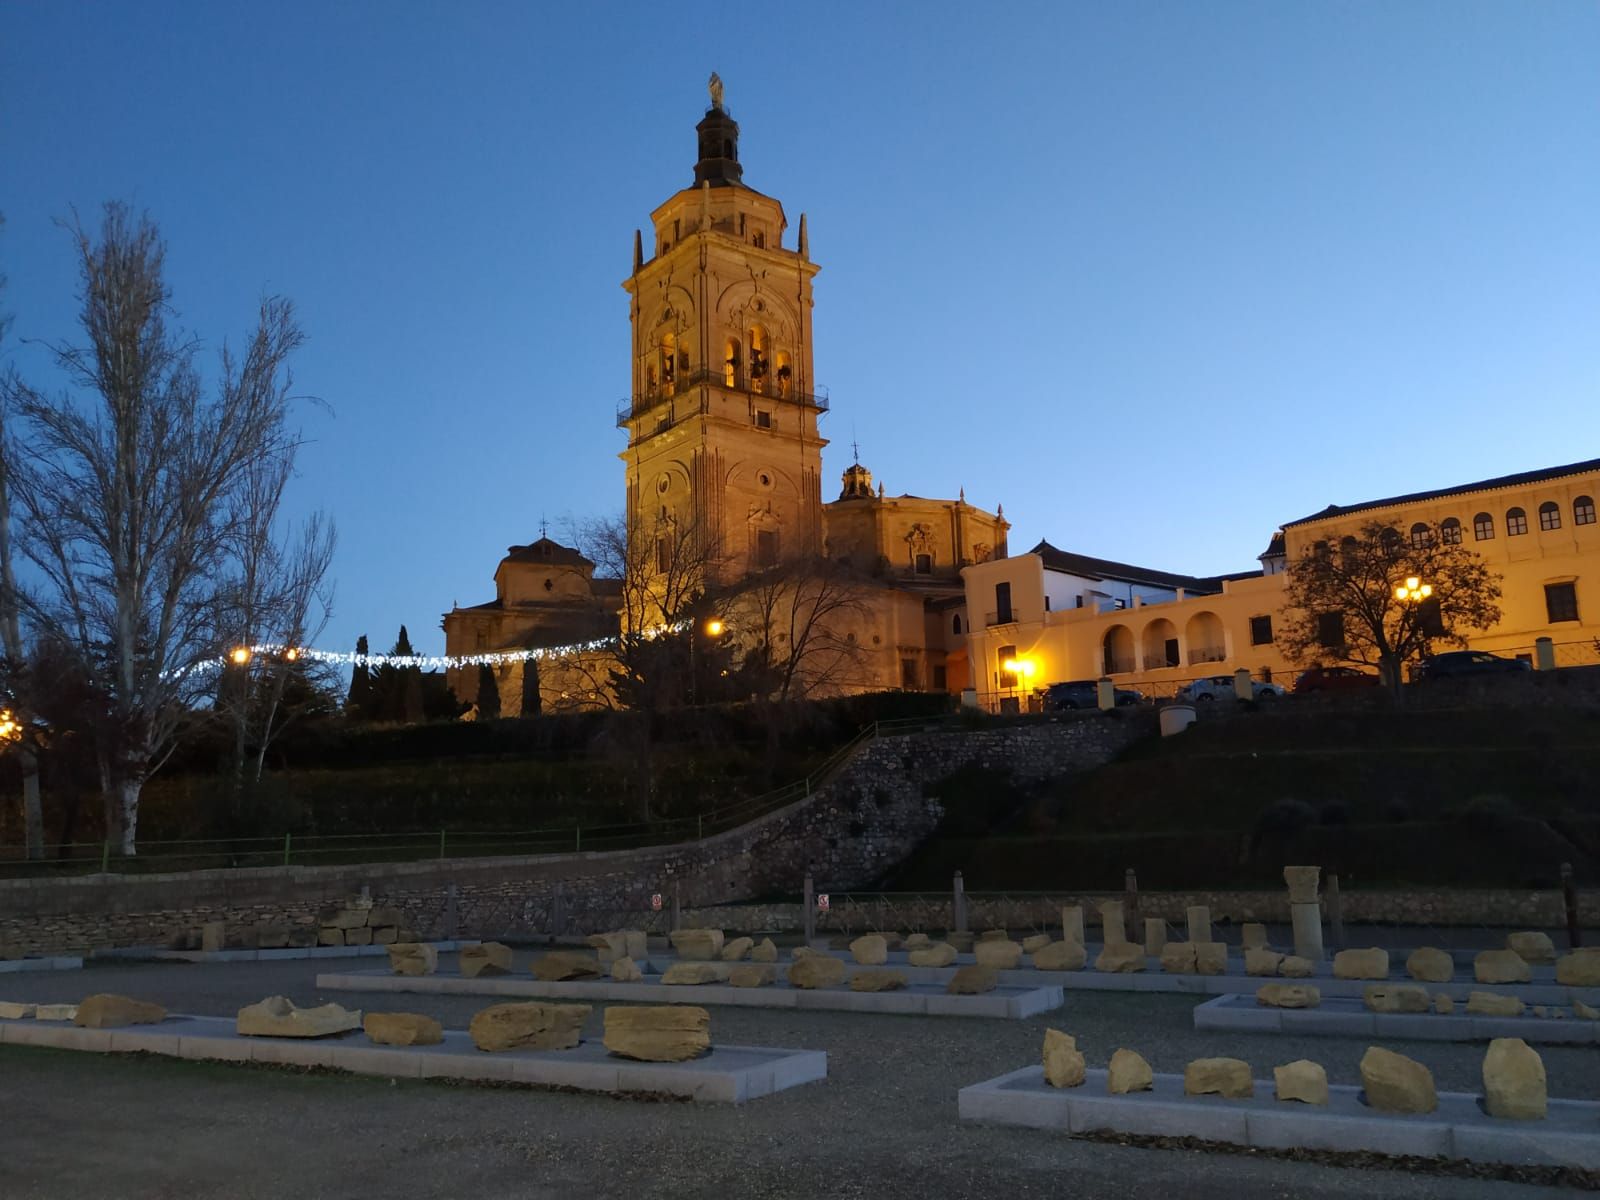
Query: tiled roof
(1104,568)
(545,551)
(1483,485)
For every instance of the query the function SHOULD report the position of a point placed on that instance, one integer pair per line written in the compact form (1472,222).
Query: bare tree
(129,494)
(280,598)
(795,624)
(1343,602)
(17,659)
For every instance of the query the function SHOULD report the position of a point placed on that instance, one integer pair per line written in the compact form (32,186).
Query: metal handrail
(642,403)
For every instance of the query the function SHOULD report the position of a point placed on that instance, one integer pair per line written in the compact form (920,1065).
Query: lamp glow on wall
(1019,669)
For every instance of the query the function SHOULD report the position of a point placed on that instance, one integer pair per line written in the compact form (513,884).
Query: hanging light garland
(241,655)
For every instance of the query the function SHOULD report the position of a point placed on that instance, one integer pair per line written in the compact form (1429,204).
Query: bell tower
(723,444)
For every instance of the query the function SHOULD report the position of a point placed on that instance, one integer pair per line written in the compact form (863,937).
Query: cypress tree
(488,694)
(530,687)
(358,701)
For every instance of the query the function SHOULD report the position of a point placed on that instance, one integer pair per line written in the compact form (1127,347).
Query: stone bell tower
(723,445)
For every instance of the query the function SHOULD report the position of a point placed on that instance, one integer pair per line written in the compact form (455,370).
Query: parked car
(1084,693)
(1334,679)
(1220,687)
(1458,663)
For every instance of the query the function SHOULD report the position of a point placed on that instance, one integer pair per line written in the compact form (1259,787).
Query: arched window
(1549,516)
(1349,549)
(1516,522)
(955,624)
(757,357)
(1583,510)
(1390,537)
(730,363)
(1450,531)
(1421,535)
(1483,527)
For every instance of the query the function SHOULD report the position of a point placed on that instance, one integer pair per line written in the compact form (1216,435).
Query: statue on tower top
(715,85)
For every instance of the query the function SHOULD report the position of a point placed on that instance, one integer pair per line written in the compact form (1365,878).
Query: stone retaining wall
(864,821)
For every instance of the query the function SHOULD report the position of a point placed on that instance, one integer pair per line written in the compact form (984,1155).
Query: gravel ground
(883,1125)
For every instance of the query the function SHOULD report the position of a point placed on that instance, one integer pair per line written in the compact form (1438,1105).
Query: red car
(1334,679)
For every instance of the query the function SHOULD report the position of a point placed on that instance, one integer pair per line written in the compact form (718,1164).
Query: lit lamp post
(713,629)
(1413,592)
(1019,669)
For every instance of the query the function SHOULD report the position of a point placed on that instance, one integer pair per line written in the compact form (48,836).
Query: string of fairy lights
(241,656)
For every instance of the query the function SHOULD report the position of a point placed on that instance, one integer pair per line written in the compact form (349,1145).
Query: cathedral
(724,455)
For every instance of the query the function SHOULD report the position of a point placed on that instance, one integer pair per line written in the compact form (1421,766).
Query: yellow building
(1070,617)
(724,456)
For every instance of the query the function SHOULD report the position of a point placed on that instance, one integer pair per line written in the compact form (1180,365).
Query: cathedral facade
(723,466)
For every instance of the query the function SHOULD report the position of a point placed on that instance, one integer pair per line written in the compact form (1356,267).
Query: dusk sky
(1157,276)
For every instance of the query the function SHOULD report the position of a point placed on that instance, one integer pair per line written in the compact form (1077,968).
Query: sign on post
(822,901)
(655,902)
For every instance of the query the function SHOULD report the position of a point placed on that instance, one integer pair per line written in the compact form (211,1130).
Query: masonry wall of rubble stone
(869,817)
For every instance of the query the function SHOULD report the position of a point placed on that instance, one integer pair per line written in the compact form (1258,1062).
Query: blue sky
(1157,276)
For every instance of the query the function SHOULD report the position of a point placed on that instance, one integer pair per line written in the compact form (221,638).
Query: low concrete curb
(1568,1137)
(727,1075)
(144,953)
(918,1000)
(1347,1018)
(59,962)
(1542,990)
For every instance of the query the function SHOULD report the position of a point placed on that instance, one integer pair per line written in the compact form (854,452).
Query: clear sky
(1157,276)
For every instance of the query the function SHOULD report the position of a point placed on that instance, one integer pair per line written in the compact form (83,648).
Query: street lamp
(239,655)
(1413,590)
(1019,669)
(712,628)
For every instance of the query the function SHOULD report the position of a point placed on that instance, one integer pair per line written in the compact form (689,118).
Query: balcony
(1120,666)
(766,387)
(1207,654)
(1009,616)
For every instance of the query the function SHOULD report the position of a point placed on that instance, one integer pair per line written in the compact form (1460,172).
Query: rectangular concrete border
(1006,1003)
(152,953)
(55,962)
(1343,1017)
(727,1075)
(1542,990)
(1458,1129)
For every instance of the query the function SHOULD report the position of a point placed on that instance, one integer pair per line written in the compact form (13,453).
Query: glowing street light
(10,727)
(1413,590)
(714,628)
(239,655)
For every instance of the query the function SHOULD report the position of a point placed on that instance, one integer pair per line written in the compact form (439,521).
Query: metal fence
(291,849)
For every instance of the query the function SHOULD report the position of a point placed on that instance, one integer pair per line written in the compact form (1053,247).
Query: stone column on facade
(1305,910)
(1155,935)
(1072,924)
(1111,918)
(1199,916)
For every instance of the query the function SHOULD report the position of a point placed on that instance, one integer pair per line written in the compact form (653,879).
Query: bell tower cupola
(724,448)
(719,143)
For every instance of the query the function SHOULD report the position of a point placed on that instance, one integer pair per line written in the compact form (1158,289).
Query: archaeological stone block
(1228,1077)
(1514,1081)
(817,972)
(1372,963)
(1057,956)
(1532,946)
(276,1016)
(412,958)
(878,980)
(1395,1083)
(697,944)
(1002,956)
(108,1011)
(667,1033)
(870,951)
(1064,1066)
(1128,1072)
(402,1029)
(1301,1080)
(485,958)
(1500,966)
(1428,964)
(1120,959)
(1289,995)
(1395,998)
(560,965)
(940,954)
(972,980)
(528,1026)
